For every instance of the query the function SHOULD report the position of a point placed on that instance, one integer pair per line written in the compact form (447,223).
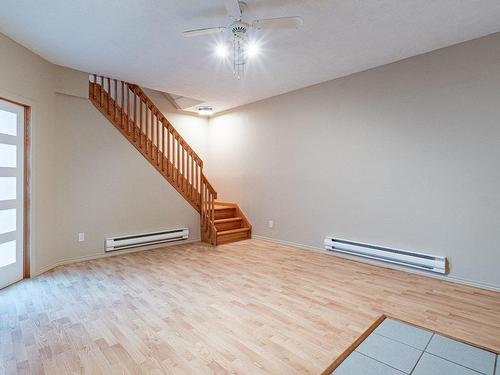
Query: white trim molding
(103,254)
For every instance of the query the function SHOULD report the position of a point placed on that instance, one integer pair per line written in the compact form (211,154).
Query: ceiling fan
(239,29)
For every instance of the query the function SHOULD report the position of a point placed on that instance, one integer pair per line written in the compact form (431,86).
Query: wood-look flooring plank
(250,307)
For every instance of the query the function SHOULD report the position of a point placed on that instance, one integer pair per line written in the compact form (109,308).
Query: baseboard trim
(106,255)
(451,279)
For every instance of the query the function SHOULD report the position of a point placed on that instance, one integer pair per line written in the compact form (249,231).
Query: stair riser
(229,225)
(225,213)
(232,237)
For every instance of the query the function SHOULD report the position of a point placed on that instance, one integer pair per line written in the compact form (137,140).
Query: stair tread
(217,207)
(229,219)
(231,231)
(224,203)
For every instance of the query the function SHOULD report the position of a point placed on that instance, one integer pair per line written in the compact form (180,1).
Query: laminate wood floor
(249,307)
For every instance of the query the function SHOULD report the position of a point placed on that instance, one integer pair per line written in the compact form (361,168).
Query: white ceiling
(140,40)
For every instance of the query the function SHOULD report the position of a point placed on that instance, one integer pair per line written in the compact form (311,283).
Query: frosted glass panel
(8,123)
(8,155)
(7,221)
(7,253)
(7,188)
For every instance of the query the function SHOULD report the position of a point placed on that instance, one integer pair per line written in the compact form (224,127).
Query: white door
(11,192)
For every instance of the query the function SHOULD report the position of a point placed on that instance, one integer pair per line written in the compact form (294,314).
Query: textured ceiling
(140,40)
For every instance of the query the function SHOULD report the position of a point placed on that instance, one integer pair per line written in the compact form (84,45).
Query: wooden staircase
(138,119)
(230,223)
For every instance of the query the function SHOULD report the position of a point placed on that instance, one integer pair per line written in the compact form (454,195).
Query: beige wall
(193,128)
(405,155)
(105,187)
(28,79)
(85,176)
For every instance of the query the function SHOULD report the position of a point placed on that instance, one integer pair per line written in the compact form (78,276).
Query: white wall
(86,177)
(405,155)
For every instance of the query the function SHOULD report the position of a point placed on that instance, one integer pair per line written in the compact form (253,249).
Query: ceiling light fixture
(239,53)
(242,48)
(205,111)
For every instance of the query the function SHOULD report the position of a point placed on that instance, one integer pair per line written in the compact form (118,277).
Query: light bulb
(252,49)
(221,50)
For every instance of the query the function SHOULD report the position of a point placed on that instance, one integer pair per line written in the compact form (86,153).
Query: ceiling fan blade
(278,23)
(233,9)
(199,32)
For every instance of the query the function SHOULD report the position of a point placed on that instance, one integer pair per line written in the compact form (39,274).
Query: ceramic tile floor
(398,348)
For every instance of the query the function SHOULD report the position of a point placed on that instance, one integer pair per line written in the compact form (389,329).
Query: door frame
(26,188)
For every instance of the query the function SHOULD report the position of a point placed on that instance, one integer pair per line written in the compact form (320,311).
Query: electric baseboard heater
(145,239)
(427,262)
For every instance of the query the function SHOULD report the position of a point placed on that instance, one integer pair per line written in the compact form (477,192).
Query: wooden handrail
(146,100)
(144,125)
(209,185)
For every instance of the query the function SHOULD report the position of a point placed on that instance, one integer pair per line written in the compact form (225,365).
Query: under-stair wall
(97,194)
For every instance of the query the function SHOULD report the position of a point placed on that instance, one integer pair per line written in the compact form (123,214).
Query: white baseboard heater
(145,239)
(421,261)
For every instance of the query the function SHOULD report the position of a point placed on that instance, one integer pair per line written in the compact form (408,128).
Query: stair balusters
(142,123)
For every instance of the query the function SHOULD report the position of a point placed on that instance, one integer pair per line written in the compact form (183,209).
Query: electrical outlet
(81,237)
(270,224)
